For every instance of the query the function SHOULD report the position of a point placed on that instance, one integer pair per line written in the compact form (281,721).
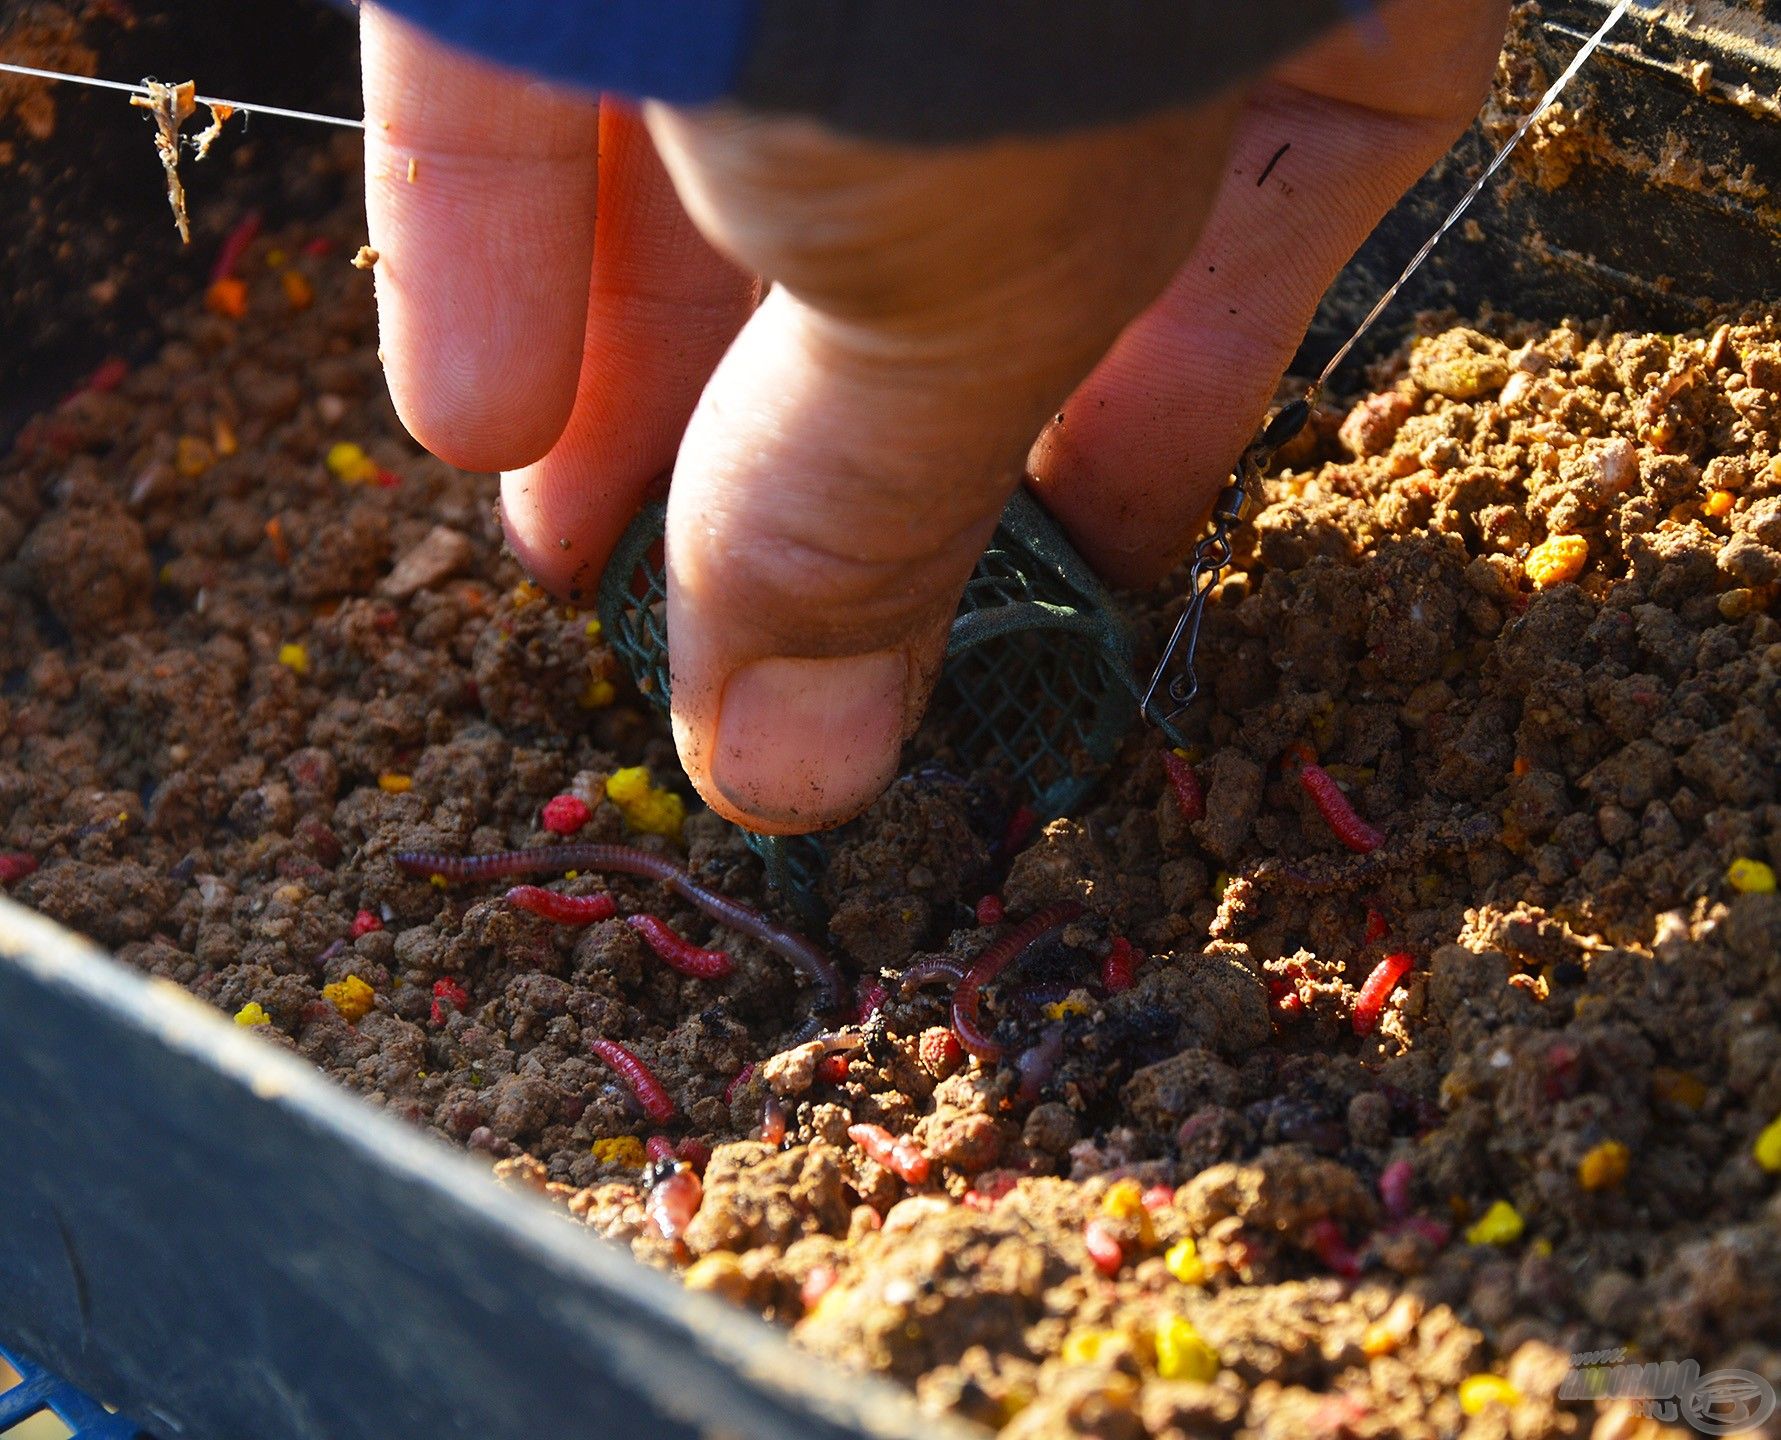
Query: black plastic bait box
(201,1231)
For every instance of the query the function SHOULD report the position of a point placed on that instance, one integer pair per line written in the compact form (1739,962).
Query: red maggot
(679,953)
(657,1103)
(562,909)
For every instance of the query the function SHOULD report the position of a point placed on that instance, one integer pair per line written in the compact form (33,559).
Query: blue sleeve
(687,52)
(900,70)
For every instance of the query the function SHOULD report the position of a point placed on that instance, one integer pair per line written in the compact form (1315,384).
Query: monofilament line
(1546,102)
(140,89)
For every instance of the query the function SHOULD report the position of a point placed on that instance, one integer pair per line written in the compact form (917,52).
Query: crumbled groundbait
(1291,1132)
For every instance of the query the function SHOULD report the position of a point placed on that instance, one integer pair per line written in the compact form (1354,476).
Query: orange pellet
(227,296)
(298,292)
(1604,1167)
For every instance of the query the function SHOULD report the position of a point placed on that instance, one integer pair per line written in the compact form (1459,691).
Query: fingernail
(806,743)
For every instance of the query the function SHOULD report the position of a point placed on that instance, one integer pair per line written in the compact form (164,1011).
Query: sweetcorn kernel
(1555,560)
(252,1013)
(393,784)
(1478,1392)
(1750,876)
(1500,1225)
(352,997)
(294,657)
(1604,1167)
(1767,1148)
(1183,1262)
(647,808)
(1182,1352)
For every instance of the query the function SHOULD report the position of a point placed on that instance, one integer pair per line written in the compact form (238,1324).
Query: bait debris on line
(172,106)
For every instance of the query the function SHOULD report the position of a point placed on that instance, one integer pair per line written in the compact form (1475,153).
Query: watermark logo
(1721,1402)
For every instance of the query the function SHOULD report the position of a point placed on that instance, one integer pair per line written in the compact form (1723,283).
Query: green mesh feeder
(1037,684)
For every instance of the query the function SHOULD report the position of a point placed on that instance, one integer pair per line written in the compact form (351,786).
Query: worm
(1337,810)
(992,962)
(925,972)
(679,953)
(674,1200)
(899,1155)
(657,1103)
(629,860)
(562,909)
(1039,1064)
(1378,986)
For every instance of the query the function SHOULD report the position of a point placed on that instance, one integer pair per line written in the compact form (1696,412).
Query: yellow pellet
(592,629)
(192,456)
(1556,560)
(1719,503)
(1123,1200)
(597,695)
(1065,1008)
(252,1013)
(350,463)
(1085,1347)
(525,593)
(1604,1167)
(1478,1392)
(1767,1148)
(1750,876)
(647,808)
(1500,1225)
(620,1150)
(294,657)
(1182,1352)
(1182,1260)
(352,997)
(392,784)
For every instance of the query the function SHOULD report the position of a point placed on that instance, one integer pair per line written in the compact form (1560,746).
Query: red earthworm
(242,234)
(562,909)
(629,860)
(898,1154)
(967,996)
(1337,810)
(1119,966)
(679,953)
(657,1103)
(1369,1004)
(868,1000)
(737,1081)
(15,866)
(925,972)
(1190,799)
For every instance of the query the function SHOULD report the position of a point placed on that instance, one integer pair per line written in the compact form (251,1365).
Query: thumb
(850,456)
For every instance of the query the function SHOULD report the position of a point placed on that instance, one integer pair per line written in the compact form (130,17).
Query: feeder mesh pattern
(1037,682)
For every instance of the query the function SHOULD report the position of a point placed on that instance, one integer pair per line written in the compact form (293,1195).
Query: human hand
(1128,294)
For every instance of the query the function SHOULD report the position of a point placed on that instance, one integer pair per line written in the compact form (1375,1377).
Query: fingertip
(479,199)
